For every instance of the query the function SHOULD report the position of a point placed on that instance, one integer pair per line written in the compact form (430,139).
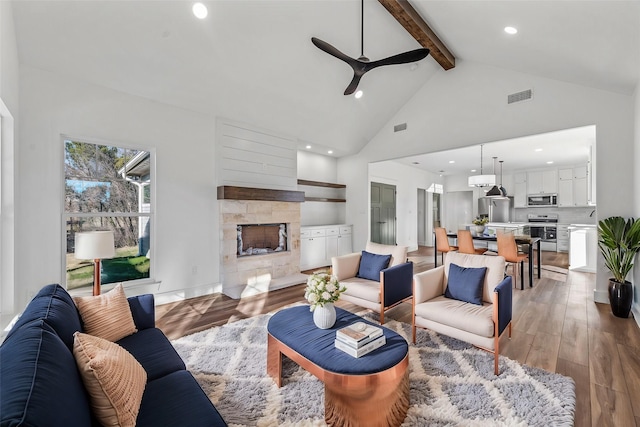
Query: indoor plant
(480,222)
(322,291)
(619,241)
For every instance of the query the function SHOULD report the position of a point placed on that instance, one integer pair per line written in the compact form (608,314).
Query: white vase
(324,317)
(479,230)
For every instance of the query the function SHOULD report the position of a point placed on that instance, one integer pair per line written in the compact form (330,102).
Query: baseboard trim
(635,311)
(601,296)
(186,293)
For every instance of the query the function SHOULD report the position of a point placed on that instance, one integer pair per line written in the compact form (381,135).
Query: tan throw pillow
(113,377)
(108,315)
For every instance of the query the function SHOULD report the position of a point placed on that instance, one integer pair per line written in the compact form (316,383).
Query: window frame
(151,214)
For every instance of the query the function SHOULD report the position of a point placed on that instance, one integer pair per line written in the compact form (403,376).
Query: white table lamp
(95,245)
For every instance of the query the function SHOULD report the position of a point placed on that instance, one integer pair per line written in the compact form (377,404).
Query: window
(108,188)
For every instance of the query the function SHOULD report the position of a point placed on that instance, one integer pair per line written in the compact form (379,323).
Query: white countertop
(582,226)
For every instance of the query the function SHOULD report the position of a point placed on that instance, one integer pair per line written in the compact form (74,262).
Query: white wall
(636,271)
(8,121)
(467,106)
(186,252)
(317,167)
(407,180)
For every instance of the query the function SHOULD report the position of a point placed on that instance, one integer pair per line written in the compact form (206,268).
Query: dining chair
(465,244)
(442,244)
(508,249)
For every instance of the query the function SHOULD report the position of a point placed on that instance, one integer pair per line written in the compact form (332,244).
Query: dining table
(529,241)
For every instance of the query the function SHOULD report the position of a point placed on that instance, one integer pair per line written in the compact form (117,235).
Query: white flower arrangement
(322,288)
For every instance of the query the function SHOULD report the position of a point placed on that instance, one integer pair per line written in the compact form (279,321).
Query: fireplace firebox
(258,239)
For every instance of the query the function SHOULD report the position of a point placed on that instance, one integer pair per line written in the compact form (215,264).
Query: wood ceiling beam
(411,20)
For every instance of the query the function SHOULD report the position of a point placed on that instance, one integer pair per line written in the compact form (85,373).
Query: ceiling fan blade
(401,58)
(322,45)
(354,83)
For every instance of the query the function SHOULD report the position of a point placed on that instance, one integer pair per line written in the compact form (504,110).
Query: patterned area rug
(452,383)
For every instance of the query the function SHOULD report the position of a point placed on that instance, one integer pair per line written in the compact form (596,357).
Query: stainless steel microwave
(542,200)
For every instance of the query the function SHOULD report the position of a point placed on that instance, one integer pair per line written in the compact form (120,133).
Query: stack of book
(359,339)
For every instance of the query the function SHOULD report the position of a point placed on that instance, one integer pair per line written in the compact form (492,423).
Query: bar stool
(508,249)
(465,244)
(442,244)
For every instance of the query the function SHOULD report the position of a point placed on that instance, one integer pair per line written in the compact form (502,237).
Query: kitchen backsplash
(565,215)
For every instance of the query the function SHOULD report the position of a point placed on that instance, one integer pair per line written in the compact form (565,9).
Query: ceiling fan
(362,64)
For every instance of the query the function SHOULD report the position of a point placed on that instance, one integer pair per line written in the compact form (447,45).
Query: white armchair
(480,325)
(393,287)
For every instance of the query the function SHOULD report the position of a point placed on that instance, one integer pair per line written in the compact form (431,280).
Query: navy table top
(294,327)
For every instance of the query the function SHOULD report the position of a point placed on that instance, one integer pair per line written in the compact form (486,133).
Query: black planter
(620,298)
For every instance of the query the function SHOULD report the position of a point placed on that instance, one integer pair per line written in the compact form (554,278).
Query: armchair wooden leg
(382,317)
(413,332)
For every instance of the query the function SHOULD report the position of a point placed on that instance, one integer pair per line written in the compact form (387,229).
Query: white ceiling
(253,61)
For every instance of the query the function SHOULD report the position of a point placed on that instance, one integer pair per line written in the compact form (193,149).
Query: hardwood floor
(556,326)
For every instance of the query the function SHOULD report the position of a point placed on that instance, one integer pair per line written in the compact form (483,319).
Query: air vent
(400,127)
(520,96)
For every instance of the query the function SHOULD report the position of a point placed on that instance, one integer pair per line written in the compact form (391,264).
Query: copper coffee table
(372,390)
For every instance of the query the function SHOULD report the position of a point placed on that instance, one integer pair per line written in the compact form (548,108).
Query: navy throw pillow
(465,284)
(371,265)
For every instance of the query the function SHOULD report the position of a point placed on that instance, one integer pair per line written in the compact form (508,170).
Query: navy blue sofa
(40,384)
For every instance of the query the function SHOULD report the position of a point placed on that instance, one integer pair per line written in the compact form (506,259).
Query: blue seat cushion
(294,327)
(465,283)
(371,265)
(41,384)
(186,405)
(154,351)
(55,306)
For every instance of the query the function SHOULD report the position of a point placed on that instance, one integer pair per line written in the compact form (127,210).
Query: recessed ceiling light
(550,162)
(330,151)
(510,30)
(200,10)
(452,161)
(308,147)
(358,94)
(473,170)
(537,150)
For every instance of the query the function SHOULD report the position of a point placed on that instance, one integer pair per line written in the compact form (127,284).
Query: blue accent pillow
(465,283)
(371,265)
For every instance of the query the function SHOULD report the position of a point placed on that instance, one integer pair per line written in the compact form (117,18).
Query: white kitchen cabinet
(539,182)
(565,193)
(520,195)
(319,243)
(313,252)
(562,235)
(573,187)
(345,245)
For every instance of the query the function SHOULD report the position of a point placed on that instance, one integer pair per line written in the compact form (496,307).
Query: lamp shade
(95,245)
(482,180)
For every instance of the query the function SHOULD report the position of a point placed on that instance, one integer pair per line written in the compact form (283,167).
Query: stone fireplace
(256,226)
(260,239)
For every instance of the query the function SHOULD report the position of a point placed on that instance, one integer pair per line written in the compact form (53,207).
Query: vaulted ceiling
(253,61)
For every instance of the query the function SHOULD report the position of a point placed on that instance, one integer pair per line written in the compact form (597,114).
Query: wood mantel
(226,192)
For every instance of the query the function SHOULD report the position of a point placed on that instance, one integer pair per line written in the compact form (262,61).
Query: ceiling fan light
(200,10)
(358,94)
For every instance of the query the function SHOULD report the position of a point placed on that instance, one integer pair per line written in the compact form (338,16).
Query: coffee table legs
(380,405)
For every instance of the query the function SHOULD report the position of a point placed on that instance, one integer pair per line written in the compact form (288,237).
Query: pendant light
(495,191)
(502,189)
(482,180)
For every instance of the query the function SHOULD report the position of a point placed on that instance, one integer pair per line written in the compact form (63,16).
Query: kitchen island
(583,247)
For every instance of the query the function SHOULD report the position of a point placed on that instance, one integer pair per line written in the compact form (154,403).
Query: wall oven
(542,200)
(545,227)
